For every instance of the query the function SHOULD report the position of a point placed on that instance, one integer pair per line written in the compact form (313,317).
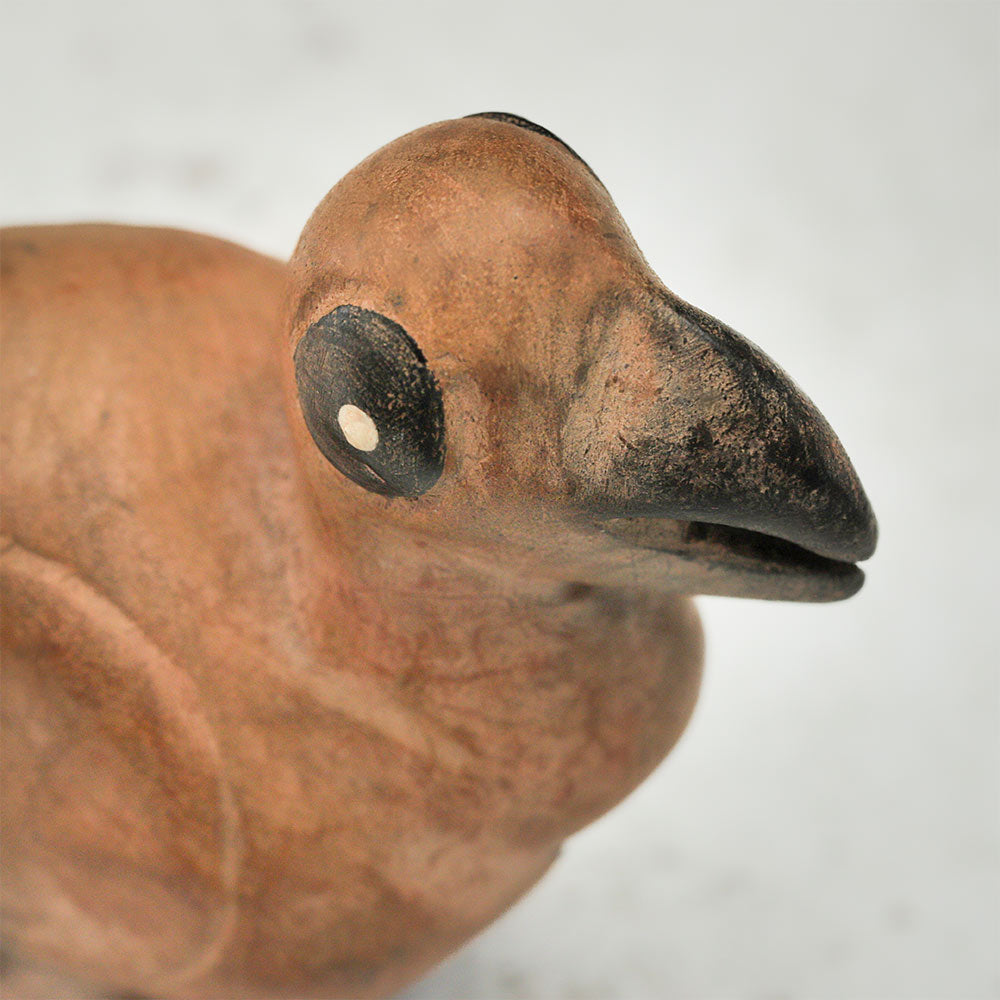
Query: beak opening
(731,562)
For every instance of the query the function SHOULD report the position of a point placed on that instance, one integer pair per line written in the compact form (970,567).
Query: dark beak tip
(853,584)
(869,542)
(866,531)
(860,539)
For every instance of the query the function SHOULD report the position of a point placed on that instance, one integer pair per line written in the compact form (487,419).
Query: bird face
(481,360)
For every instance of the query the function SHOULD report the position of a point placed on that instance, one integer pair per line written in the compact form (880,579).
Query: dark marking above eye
(370,401)
(505,116)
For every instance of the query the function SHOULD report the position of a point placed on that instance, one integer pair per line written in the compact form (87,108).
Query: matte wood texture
(338,593)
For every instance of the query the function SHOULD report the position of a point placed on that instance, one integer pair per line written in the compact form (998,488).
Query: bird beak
(703,461)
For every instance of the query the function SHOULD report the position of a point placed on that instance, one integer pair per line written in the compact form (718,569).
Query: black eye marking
(371,404)
(504,116)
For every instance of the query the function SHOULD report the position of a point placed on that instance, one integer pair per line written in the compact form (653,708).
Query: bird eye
(371,403)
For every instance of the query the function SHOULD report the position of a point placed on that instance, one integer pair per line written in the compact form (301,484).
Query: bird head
(482,360)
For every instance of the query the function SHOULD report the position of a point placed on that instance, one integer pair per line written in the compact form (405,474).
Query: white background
(824,178)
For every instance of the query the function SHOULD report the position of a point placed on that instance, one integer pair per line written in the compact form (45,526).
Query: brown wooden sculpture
(338,593)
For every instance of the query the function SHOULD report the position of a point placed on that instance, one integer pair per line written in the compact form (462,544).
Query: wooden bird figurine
(338,593)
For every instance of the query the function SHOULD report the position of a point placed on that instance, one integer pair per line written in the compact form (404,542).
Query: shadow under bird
(338,593)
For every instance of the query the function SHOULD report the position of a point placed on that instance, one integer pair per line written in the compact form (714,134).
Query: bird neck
(579,691)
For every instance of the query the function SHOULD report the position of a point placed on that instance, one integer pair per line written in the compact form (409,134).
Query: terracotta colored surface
(271,729)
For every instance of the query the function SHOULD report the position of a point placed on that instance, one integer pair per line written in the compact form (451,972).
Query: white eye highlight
(359,429)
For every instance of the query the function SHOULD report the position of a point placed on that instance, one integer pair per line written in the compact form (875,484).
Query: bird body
(337,594)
